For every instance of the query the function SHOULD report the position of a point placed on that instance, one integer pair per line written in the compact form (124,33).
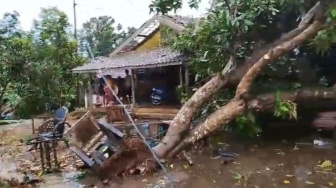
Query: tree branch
(257,54)
(245,84)
(3,91)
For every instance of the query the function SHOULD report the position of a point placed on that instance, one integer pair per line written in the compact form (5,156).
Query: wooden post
(186,79)
(86,93)
(33,124)
(181,76)
(133,87)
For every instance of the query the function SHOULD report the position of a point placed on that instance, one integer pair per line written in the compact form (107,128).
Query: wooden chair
(50,133)
(95,158)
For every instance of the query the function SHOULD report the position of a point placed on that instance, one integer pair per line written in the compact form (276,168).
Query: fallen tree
(184,117)
(240,69)
(180,135)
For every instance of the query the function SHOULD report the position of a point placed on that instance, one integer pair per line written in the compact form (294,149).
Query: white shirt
(95,99)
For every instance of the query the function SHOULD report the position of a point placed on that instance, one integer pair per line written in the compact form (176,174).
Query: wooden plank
(154,116)
(94,141)
(89,151)
(85,131)
(93,120)
(82,155)
(139,123)
(154,129)
(76,124)
(98,158)
(113,135)
(167,110)
(133,88)
(110,127)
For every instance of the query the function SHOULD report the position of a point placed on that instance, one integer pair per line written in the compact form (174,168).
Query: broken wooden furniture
(85,132)
(113,142)
(326,121)
(96,158)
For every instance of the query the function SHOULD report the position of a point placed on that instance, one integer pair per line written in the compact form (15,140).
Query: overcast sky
(127,12)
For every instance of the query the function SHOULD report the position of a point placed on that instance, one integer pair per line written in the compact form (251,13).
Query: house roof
(135,59)
(178,23)
(125,56)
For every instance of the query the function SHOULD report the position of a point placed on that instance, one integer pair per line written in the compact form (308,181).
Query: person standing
(109,97)
(128,85)
(96,100)
(99,87)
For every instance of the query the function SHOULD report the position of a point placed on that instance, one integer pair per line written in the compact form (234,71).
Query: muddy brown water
(269,161)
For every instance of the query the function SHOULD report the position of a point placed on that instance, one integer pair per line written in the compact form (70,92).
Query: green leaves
(102,36)
(284,109)
(332,12)
(165,6)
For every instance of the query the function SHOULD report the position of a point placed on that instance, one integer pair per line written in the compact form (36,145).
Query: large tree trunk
(183,118)
(181,123)
(237,106)
(265,102)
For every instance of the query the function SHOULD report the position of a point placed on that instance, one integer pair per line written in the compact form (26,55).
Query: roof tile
(134,59)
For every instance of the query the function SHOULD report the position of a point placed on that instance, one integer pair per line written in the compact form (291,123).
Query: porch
(157,68)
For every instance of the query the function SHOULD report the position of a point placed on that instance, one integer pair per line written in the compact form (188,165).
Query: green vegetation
(36,65)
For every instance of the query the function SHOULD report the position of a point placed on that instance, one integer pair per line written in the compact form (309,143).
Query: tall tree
(16,53)
(101,34)
(55,53)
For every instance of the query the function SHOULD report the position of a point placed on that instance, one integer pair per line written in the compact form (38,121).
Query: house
(151,63)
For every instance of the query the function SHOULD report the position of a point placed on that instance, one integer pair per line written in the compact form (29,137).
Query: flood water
(272,160)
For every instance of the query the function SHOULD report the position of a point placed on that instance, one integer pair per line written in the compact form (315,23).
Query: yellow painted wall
(151,43)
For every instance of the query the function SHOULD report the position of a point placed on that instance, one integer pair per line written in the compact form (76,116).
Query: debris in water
(310,183)
(188,158)
(75,176)
(286,182)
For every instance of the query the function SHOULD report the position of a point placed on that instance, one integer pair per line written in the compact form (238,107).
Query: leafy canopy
(36,65)
(236,28)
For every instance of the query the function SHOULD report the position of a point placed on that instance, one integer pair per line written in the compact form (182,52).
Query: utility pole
(75,36)
(75,19)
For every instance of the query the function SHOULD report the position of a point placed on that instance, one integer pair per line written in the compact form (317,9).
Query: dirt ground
(271,161)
